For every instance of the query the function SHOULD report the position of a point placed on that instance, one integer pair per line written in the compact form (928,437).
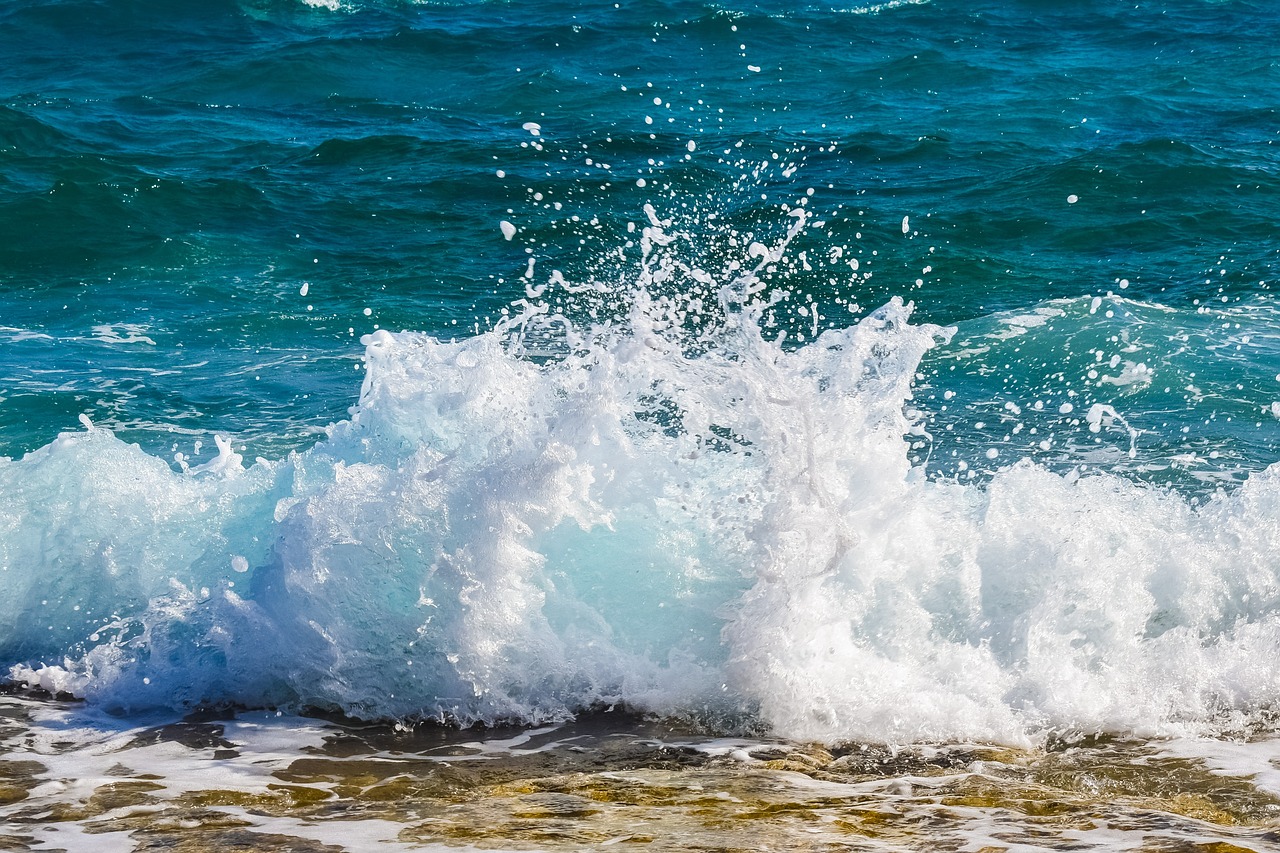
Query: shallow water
(74,779)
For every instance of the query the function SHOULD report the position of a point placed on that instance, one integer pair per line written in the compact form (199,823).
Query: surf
(644,494)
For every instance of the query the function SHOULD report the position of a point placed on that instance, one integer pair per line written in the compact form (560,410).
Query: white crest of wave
(714,526)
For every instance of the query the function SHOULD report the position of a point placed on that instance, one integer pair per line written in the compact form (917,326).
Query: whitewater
(672,510)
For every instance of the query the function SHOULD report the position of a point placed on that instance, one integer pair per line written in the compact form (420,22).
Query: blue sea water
(784,362)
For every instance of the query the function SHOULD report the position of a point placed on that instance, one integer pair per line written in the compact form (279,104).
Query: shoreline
(255,780)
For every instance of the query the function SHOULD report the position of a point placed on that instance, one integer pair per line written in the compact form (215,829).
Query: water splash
(651,498)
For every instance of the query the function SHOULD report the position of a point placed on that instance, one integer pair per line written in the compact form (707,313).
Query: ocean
(694,425)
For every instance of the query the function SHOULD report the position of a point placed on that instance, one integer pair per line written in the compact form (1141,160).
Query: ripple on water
(72,778)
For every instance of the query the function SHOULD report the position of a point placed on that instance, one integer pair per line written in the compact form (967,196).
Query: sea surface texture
(894,374)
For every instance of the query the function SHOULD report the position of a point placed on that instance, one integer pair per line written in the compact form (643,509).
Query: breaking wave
(672,509)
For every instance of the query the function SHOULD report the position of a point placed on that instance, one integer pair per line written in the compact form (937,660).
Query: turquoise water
(656,442)
(186,168)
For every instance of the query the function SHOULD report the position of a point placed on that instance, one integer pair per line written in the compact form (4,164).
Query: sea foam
(691,519)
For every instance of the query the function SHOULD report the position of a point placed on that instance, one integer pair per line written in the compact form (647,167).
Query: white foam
(686,519)
(70,836)
(1135,374)
(1257,761)
(123,333)
(16,335)
(877,8)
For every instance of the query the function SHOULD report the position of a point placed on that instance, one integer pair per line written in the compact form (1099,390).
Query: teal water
(662,433)
(186,168)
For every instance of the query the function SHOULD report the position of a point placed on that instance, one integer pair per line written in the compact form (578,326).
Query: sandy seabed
(74,779)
